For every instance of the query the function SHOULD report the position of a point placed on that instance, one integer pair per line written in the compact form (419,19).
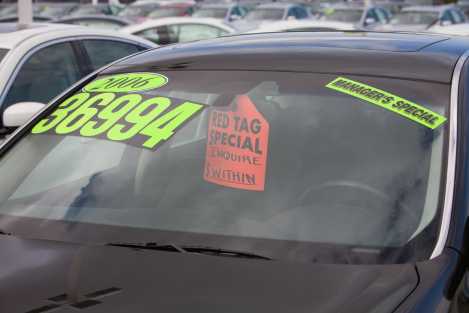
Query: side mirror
(19,113)
(370,21)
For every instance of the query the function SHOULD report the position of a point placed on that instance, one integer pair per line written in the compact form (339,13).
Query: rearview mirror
(19,113)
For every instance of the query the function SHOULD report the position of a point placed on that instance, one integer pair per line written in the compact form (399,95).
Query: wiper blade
(2,232)
(190,249)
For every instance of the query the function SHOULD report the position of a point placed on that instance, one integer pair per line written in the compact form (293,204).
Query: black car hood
(35,275)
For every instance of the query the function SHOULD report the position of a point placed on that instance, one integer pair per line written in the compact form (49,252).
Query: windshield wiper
(2,232)
(190,249)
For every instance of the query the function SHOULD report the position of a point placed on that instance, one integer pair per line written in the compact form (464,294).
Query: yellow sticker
(388,101)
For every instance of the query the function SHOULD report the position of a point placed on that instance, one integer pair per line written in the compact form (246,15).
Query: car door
(43,74)
(100,52)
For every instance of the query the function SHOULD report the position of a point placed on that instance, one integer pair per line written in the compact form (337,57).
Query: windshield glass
(284,165)
(211,12)
(264,14)
(414,18)
(347,16)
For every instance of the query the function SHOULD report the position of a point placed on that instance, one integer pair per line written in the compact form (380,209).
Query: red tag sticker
(236,154)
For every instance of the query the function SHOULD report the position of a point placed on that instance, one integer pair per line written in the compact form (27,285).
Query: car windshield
(414,18)
(167,12)
(347,16)
(219,13)
(261,14)
(288,165)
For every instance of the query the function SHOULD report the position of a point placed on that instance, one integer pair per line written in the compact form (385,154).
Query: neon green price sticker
(129,82)
(388,101)
(134,119)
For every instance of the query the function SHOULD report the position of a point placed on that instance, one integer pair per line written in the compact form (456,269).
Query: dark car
(289,172)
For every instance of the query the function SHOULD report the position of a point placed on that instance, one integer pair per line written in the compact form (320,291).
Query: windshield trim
(451,161)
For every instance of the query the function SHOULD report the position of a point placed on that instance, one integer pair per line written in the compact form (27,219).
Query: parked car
(41,60)
(356,16)
(277,173)
(138,12)
(97,21)
(228,12)
(176,9)
(54,10)
(179,29)
(271,12)
(277,12)
(421,18)
(95,9)
(463,5)
(302,26)
(455,29)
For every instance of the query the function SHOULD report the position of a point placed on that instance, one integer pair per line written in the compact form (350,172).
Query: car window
(44,75)
(161,35)
(457,17)
(381,14)
(236,11)
(301,13)
(298,166)
(372,16)
(102,52)
(191,32)
(447,17)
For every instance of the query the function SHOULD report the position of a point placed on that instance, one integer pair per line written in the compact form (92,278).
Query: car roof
(278,26)
(427,8)
(11,34)
(176,20)
(409,56)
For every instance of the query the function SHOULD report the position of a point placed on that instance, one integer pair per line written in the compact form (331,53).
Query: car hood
(40,274)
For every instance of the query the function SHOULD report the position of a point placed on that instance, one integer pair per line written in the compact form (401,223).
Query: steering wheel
(329,190)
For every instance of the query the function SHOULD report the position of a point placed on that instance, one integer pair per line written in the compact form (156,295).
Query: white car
(302,25)
(456,29)
(425,18)
(39,61)
(179,29)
